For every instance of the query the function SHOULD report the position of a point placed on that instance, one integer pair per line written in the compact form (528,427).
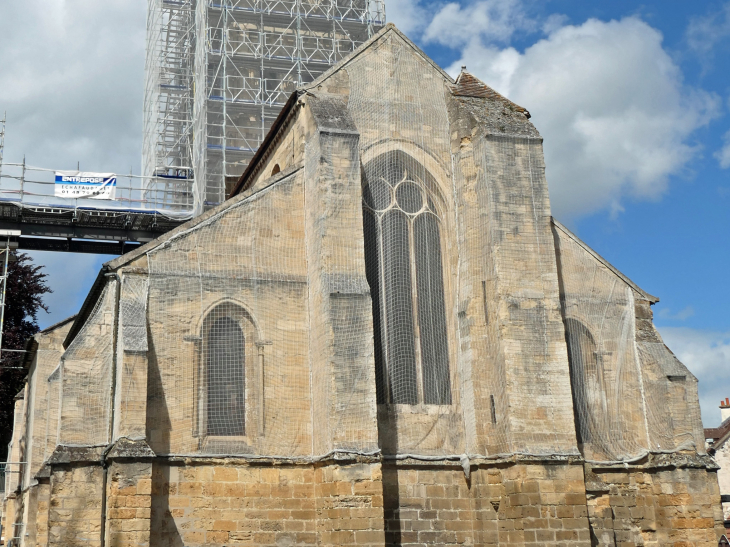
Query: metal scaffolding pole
(7,236)
(233,64)
(2,141)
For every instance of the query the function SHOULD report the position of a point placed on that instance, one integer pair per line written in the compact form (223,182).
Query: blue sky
(632,100)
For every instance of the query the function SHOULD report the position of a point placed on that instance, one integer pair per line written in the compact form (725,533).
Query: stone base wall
(11,508)
(497,505)
(75,509)
(30,507)
(662,507)
(129,504)
(349,505)
(266,505)
(220,502)
(41,516)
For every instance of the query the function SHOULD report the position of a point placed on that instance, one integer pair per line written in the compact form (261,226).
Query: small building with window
(382,338)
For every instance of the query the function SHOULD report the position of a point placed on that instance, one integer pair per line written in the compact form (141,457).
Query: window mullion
(414,299)
(382,295)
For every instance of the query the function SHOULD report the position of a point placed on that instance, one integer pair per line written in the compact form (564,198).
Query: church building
(382,337)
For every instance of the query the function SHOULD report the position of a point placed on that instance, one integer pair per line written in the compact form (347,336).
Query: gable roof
(467,85)
(606,263)
(243,181)
(387,29)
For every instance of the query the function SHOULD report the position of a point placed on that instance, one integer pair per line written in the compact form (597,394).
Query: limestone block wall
(13,498)
(510,321)
(216,504)
(507,504)
(27,518)
(86,376)
(649,505)
(247,260)
(75,508)
(40,424)
(128,504)
(672,399)
(40,517)
(340,311)
(349,504)
(35,491)
(617,354)
(416,134)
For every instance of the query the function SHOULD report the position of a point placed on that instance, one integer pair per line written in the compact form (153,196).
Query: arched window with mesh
(404,266)
(225,355)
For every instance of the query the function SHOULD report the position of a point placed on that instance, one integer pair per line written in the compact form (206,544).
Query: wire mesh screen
(47,358)
(225,380)
(672,401)
(405,271)
(343,374)
(397,103)
(230,370)
(608,393)
(479,330)
(131,357)
(86,376)
(53,407)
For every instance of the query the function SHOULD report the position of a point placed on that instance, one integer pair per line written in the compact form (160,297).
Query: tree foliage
(23,300)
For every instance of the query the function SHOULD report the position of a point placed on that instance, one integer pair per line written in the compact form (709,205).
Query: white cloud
(686,313)
(707,355)
(611,104)
(72,74)
(455,25)
(705,32)
(723,155)
(408,15)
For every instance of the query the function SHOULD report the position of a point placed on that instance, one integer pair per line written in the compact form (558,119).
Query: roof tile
(468,86)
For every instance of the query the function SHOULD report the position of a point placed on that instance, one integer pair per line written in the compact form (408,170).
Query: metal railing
(35,187)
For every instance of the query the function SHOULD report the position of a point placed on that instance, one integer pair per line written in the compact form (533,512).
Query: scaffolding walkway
(142,209)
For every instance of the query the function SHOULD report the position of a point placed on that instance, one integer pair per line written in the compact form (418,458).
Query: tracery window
(225,377)
(404,268)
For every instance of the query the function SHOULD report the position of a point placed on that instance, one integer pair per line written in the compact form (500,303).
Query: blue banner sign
(81,184)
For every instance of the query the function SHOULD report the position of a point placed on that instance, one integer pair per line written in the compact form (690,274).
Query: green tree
(23,299)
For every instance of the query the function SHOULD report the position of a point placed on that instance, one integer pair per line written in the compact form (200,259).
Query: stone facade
(381,338)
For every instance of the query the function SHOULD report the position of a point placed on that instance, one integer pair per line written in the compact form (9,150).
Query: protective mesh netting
(228,319)
(498,214)
(86,377)
(52,410)
(253,326)
(629,396)
(398,105)
(39,423)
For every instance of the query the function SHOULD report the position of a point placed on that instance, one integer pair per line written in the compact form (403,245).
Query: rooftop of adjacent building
(718,436)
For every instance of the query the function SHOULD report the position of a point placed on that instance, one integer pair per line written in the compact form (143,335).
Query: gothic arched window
(585,379)
(405,273)
(225,377)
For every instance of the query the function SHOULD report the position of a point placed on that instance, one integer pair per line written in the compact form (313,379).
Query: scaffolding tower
(168,100)
(219,72)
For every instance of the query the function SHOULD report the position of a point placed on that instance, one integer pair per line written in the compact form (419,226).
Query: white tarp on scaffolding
(82,184)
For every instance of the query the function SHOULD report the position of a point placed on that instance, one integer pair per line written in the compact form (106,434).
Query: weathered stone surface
(537,443)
